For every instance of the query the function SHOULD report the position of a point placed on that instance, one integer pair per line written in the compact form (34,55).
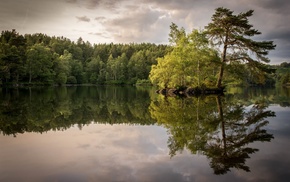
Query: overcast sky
(127,21)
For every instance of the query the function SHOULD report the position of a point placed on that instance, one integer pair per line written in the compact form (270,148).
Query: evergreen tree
(232,34)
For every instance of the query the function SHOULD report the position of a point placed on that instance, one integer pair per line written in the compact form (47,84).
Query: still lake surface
(132,134)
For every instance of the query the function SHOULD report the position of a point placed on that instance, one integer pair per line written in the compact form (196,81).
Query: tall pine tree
(232,33)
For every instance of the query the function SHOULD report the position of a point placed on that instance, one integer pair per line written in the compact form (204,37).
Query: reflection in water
(217,128)
(43,109)
(221,128)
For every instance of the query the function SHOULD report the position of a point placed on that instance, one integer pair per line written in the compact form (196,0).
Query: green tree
(191,63)
(176,34)
(122,62)
(77,71)
(160,73)
(62,67)
(232,34)
(138,65)
(39,63)
(12,56)
(286,79)
(94,68)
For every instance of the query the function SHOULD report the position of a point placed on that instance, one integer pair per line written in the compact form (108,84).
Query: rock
(163,91)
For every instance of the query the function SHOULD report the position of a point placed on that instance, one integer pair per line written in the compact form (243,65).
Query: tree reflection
(43,109)
(219,129)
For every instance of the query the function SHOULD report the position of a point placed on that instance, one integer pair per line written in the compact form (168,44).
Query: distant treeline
(45,60)
(41,59)
(282,73)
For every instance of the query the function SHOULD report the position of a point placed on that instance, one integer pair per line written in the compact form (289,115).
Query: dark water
(133,134)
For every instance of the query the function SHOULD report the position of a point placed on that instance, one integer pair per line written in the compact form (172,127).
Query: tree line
(42,59)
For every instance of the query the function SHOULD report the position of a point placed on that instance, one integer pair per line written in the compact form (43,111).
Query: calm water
(132,134)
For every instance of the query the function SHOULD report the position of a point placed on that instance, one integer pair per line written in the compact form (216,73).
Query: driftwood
(190,91)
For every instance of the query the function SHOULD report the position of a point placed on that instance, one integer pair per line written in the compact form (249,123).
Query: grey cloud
(100,18)
(71,1)
(83,18)
(27,15)
(84,146)
(269,18)
(95,4)
(277,6)
(100,34)
(137,21)
(111,4)
(140,25)
(91,4)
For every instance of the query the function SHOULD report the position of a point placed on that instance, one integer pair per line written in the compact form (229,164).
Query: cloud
(71,1)
(96,4)
(100,18)
(100,34)
(83,18)
(141,20)
(140,25)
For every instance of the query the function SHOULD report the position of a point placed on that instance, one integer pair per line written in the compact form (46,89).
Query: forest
(212,57)
(41,59)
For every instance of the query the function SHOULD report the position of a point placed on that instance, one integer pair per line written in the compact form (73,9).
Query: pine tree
(232,34)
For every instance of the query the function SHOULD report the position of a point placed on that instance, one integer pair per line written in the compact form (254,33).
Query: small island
(201,59)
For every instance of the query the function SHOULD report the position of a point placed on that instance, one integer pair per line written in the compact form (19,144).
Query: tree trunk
(221,73)
(30,76)
(221,117)
(17,77)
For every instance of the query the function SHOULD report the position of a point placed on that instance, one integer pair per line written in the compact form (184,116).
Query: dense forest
(41,59)
(221,54)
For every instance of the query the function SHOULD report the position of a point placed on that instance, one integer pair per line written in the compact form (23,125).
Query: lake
(133,134)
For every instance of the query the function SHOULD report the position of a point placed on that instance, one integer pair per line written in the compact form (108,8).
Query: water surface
(133,134)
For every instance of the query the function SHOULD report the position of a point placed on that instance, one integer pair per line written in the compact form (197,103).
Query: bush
(71,80)
(61,78)
(143,82)
(285,79)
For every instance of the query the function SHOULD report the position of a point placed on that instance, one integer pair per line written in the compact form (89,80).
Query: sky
(137,21)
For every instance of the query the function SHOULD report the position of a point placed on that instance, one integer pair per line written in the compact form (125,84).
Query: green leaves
(190,63)
(39,59)
(12,56)
(232,33)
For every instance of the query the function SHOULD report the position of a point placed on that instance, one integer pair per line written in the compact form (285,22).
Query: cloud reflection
(119,152)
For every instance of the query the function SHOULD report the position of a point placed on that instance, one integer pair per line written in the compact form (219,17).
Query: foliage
(143,82)
(12,56)
(285,80)
(282,75)
(232,34)
(39,63)
(38,58)
(191,62)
